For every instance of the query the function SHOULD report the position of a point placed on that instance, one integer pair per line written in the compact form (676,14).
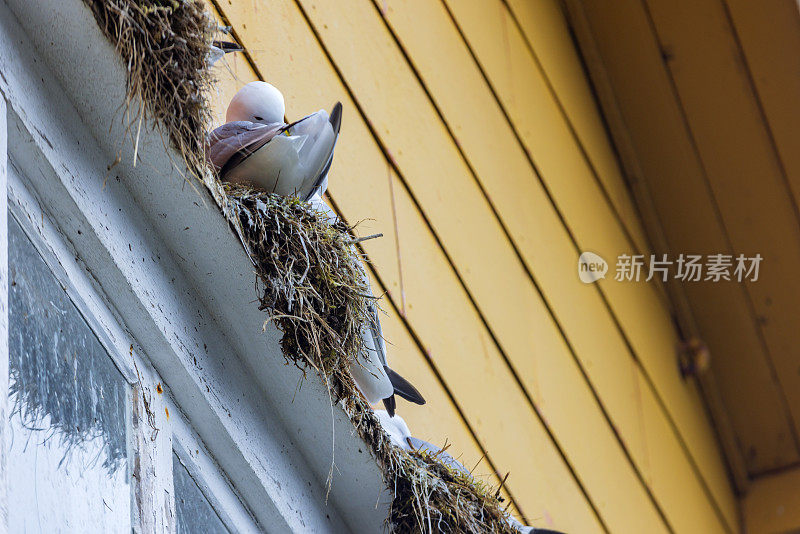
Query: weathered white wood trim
(206,473)
(176,277)
(154,497)
(3,316)
(153,491)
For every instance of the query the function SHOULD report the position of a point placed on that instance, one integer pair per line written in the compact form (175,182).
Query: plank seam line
(776,471)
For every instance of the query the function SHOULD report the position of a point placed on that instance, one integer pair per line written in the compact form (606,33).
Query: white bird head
(396,427)
(257,102)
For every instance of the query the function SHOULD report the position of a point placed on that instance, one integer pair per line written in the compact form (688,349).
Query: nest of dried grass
(164,44)
(432,497)
(309,280)
(312,288)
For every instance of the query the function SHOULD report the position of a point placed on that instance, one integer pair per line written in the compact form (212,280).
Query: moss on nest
(310,281)
(308,271)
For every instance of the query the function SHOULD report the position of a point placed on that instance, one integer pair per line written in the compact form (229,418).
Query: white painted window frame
(152,444)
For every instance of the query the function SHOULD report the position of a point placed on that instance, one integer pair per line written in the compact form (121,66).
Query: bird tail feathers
(403,387)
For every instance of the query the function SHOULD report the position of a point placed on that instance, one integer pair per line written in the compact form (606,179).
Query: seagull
(369,376)
(255,146)
(400,435)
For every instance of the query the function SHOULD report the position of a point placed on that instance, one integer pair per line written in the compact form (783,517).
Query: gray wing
(375,332)
(234,141)
(335,120)
(375,327)
(401,386)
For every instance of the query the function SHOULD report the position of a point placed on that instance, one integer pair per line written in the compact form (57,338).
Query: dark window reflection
(68,441)
(195,515)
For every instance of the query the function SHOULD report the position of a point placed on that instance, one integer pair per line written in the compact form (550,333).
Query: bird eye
(256,117)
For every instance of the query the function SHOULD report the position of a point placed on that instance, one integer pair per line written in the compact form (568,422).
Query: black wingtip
(336,117)
(403,387)
(390,404)
(227,46)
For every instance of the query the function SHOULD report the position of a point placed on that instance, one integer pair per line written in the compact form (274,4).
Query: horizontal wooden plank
(681,196)
(544,27)
(743,170)
(773,504)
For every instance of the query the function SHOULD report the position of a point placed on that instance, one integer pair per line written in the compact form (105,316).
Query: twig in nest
(365,238)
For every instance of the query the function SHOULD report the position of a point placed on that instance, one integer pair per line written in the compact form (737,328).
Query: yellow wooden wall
(471,139)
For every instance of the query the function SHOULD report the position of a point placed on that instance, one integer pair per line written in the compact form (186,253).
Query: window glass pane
(67,462)
(195,515)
